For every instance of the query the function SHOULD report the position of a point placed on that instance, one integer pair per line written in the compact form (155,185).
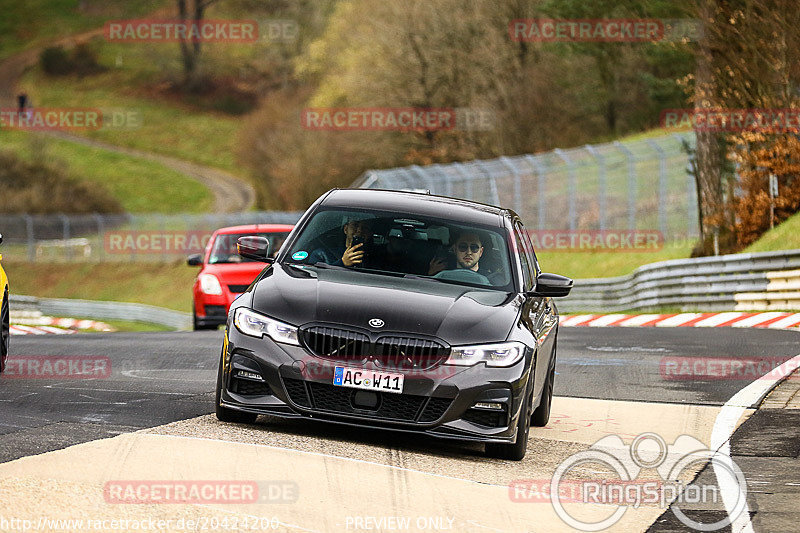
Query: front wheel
(515,451)
(223,413)
(541,415)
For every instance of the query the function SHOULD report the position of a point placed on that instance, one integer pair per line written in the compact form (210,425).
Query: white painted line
(789,321)
(638,320)
(755,320)
(717,319)
(604,320)
(733,496)
(677,320)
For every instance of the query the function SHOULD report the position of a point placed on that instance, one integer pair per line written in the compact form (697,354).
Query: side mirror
(551,285)
(255,248)
(194,260)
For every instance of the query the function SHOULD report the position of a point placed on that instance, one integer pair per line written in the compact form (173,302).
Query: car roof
(418,203)
(258,228)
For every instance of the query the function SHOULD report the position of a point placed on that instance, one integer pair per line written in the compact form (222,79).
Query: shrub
(55,61)
(38,188)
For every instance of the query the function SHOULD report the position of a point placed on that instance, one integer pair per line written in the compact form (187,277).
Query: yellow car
(4,315)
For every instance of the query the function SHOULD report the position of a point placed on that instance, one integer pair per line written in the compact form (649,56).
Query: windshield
(223,250)
(406,245)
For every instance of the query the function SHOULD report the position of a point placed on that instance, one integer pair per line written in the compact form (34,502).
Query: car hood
(453,313)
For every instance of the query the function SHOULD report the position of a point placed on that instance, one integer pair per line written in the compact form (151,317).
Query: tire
(5,331)
(515,451)
(229,415)
(199,327)
(541,415)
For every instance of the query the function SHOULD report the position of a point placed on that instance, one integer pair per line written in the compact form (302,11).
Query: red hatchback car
(225,275)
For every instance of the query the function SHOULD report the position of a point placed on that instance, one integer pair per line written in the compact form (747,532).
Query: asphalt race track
(610,381)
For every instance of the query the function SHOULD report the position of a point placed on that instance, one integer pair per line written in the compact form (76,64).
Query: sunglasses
(463,247)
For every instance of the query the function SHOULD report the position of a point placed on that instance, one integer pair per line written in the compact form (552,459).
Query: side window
(526,238)
(527,279)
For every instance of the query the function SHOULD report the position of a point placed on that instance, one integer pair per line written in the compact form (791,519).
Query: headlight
(256,325)
(209,284)
(501,354)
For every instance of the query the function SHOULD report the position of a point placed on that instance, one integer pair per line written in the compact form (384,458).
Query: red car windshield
(224,248)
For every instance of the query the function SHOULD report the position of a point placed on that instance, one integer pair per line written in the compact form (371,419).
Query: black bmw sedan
(398,310)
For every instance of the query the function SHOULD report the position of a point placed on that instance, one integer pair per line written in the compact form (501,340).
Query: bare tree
(190,48)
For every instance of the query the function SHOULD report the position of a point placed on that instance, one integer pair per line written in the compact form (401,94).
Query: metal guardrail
(100,310)
(706,283)
(782,293)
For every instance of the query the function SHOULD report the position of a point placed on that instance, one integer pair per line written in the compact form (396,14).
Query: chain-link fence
(128,238)
(635,185)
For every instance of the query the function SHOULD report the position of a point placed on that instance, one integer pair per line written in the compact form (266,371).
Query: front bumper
(287,381)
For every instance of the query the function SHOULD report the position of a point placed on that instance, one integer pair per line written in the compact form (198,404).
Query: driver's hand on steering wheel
(353,255)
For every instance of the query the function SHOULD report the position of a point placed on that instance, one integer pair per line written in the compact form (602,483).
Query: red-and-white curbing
(44,325)
(736,319)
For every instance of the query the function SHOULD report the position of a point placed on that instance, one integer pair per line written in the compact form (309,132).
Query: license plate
(367,379)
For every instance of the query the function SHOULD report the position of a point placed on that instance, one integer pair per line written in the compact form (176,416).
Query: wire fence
(635,185)
(119,238)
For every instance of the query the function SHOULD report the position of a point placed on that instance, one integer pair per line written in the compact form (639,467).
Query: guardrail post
(100,235)
(517,184)
(571,188)
(422,174)
(65,235)
(631,184)
(495,196)
(602,193)
(30,238)
(541,189)
(662,187)
(465,178)
(691,193)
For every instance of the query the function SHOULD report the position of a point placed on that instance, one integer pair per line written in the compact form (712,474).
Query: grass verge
(785,236)
(163,285)
(141,186)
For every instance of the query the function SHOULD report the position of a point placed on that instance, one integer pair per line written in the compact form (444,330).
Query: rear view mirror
(551,285)
(194,260)
(255,248)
